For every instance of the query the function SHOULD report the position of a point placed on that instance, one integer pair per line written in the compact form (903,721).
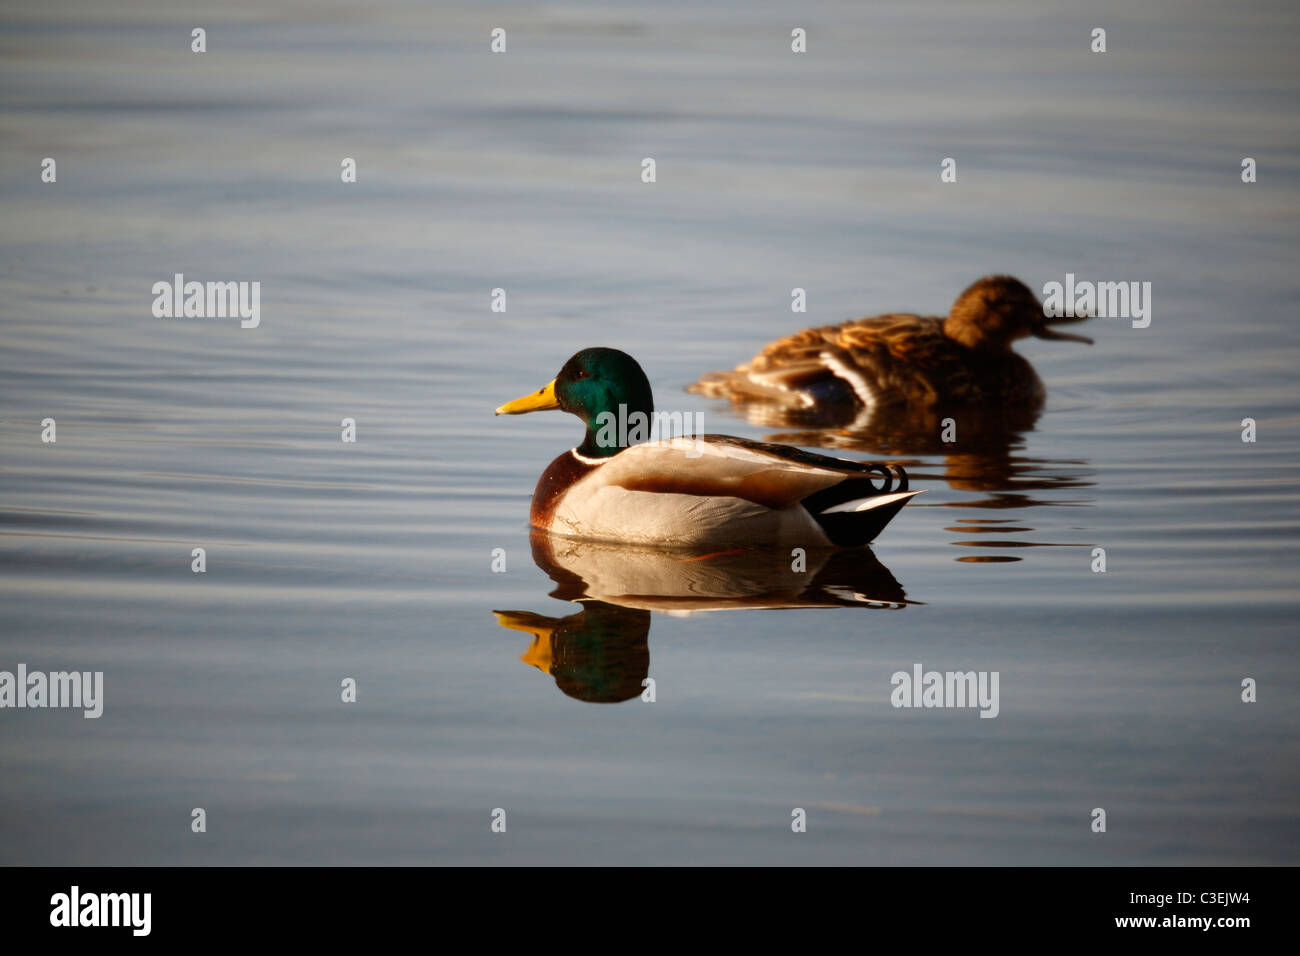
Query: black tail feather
(851,529)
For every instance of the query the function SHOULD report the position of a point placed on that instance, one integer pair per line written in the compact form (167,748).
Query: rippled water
(373,560)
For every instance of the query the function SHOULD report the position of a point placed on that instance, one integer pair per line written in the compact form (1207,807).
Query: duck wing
(881,360)
(723,466)
(717,490)
(902,358)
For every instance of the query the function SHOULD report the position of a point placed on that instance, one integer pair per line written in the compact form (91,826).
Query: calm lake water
(1119,690)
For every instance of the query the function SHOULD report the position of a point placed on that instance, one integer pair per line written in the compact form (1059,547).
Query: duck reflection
(978,447)
(985,457)
(601,654)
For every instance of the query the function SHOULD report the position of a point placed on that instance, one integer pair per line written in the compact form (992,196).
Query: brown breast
(559,476)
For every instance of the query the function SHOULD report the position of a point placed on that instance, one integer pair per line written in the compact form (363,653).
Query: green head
(598,385)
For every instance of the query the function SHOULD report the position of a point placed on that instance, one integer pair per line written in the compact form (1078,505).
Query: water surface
(374,560)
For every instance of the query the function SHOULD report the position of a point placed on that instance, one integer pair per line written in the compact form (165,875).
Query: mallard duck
(686,492)
(908,360)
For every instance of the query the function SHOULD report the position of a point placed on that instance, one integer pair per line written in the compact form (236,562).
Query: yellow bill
(539,401)
(539,653)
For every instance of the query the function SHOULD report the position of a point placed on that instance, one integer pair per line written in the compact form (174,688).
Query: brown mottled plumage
(912,360)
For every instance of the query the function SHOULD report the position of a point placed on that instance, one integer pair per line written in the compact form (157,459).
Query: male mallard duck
(912,360)
(711,490)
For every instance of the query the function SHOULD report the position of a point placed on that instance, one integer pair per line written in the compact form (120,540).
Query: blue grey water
(1119,690)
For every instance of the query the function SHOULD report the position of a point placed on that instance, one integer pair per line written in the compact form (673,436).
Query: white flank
(866,504)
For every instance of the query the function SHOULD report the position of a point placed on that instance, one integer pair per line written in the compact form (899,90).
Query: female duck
(711,490)
(910,360)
